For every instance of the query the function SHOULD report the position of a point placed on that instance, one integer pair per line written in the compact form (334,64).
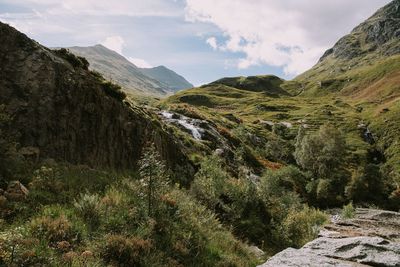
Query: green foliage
(88,207)
(348,211)
(57,224)
(75,61)
(300,226)
(56,183)
(280,150)
(285,180)
(209,181)
(323,154)
(367,185)
(154,178)
(125,251)
(113,90)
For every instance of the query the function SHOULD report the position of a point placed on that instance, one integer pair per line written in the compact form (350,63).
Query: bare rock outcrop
(372,238)
(63,110)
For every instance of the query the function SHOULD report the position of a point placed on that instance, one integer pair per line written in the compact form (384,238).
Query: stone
(374,251)
(257,251)
(299,258)
(372,238)
(16,191)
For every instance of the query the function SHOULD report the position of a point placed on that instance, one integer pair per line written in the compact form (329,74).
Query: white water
(185,122)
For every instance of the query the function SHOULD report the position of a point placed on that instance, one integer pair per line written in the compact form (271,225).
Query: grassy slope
(254,107)
(360,94)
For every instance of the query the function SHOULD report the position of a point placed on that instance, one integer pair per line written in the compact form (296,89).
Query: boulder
(16,191)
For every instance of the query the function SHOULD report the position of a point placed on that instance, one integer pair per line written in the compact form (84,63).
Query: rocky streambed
(371,238)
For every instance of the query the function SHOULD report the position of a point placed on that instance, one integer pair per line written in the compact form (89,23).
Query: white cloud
(155,8)
(291,34)
(141,63)
(115,43)
(212,41)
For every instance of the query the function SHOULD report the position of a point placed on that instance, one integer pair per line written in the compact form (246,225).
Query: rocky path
(372,238)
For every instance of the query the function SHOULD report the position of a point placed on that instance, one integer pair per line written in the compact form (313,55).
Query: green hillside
(226,174)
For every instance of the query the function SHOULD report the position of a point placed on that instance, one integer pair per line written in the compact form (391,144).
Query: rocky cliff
(62,110)
(376,39)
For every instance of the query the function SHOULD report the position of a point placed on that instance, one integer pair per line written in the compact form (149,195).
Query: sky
(203,40)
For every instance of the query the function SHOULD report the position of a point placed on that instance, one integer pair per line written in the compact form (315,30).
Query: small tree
(323,155)
(154,177)
(209,181)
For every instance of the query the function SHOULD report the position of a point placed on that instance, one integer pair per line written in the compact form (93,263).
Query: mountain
(355,86)
(64,111)
(158,81)
(88,178)
(362,61)
(171,79)
(191,179)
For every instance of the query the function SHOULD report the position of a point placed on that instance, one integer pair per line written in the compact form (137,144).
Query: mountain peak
(378,34)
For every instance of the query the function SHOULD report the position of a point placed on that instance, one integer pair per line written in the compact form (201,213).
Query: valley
(103,163)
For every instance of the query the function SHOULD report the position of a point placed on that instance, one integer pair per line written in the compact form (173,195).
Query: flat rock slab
(370,239)
(300,258)
(374,251)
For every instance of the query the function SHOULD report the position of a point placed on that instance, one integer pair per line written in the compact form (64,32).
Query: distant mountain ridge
(158,81)
(371,47)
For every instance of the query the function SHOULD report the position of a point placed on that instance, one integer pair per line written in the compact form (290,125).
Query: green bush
(348,211)
(113,90)
(367,185)
(88,207)
(301,226)
(126,250)
(55,224)
(75,61)
(209,181)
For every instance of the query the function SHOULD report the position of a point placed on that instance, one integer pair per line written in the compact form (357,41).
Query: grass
(108,225)
(348,211)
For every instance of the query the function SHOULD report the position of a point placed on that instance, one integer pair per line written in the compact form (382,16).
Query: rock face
(371,239)
(379,33)
(62,110)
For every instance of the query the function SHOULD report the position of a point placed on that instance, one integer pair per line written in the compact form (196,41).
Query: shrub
(18,249)
(88,207)
(74,60)
(278,149)
(286,179)
(57,224)
(301,226)
(209,180)
(348,211)
(367,185)
(125,250)
(113,90)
